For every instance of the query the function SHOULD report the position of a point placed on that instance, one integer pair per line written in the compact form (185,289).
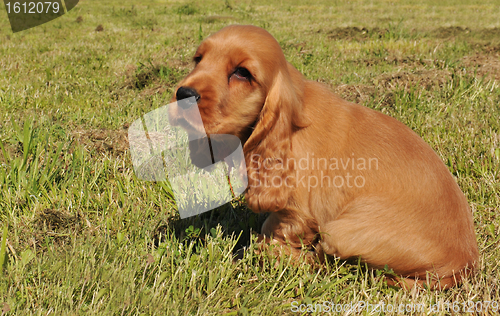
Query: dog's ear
(268,151)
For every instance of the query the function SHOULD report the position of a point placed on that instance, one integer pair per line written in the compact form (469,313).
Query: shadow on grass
(236,220)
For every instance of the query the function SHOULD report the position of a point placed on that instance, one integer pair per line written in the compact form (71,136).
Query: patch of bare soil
(406,60)
(48,227)
(357,33)
(493,33)
(451,31)
(355,93)
(427,79)
(483,65)
(486,39)
(155,77)
(56,225)
(490,48)
(53,220)
(104,141)
(402,61)
(361,94)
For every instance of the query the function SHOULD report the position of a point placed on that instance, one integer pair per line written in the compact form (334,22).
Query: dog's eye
(197,59)
(242,73)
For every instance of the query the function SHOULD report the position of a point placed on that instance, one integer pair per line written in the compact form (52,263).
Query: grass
(82,235)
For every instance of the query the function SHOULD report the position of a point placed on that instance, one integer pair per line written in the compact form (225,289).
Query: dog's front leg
(286,233)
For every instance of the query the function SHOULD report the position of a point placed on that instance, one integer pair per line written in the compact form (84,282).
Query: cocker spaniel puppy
(348,180)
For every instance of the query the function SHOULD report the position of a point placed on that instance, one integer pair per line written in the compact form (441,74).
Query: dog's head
(234,73)
(243,86)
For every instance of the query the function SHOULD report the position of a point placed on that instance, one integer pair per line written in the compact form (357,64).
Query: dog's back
(402,208)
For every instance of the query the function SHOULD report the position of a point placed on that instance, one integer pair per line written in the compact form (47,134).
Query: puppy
(346,179)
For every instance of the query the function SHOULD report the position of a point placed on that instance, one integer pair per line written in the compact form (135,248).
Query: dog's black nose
(183,94)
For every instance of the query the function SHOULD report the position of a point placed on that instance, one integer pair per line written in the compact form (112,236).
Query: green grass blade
(3,250)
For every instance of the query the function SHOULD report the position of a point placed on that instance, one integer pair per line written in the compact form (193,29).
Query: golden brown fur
(409,214)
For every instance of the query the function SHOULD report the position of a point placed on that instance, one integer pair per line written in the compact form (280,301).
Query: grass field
(81,235)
